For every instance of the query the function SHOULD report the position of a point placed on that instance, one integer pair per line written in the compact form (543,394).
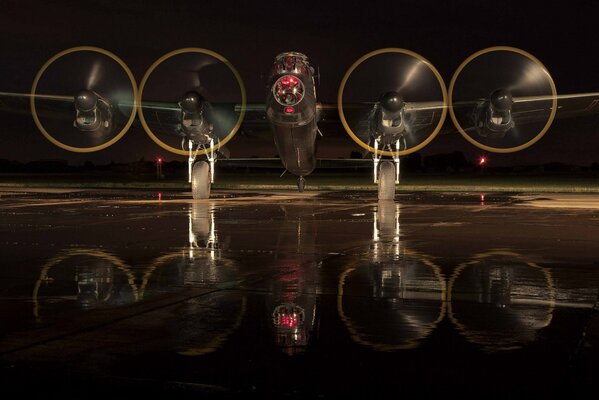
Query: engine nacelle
(93,112)
(493,118)
(195,123)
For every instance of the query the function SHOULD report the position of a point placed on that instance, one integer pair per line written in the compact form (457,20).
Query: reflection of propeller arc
(502,73)
(507,301)
(100,254)
(164,260)
(218,340)
(408,79)
(103,106)
(423,329)
(171,79)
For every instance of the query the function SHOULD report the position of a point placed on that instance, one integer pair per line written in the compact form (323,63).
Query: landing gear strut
(200,174)
(388,173)
(301,183)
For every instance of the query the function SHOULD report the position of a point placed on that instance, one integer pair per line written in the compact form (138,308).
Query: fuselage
(292,113)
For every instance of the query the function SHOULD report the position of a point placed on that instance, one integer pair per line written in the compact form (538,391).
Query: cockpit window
(288,90)
(291,63)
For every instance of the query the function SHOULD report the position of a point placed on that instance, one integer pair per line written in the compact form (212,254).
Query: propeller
(502,99)
(194,85)
(393,81)
(102,90)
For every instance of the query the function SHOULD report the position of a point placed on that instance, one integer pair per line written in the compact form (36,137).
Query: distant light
(482,198)
(482,161)
(159,160)
(159,196)
(289,110)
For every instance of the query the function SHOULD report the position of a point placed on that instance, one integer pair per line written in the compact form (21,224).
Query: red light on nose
(289,110)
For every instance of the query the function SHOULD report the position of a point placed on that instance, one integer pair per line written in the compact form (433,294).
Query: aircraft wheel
(387,181)
(200,180)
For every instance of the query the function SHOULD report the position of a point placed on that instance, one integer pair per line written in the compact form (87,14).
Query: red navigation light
(482,161)
(289,110)
(159,160)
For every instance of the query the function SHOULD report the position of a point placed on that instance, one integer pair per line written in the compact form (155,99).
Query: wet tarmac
(287,295)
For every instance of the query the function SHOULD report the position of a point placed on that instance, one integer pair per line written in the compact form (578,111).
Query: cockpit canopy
(291,62)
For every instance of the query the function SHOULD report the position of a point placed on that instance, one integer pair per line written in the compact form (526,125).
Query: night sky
(563,35)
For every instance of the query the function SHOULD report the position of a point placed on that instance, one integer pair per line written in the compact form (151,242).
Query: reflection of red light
(482,161)
(289,110)
(288,321)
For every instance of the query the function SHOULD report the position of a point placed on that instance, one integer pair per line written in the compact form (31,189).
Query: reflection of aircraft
(294,310)
(390,285)
(500,301)
(500,99)
(199,264)
(101,279)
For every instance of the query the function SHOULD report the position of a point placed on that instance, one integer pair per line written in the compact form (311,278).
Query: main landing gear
(201,173)
(301,184)
(386,172)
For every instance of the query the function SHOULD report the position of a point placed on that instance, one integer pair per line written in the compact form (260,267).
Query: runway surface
(288,295)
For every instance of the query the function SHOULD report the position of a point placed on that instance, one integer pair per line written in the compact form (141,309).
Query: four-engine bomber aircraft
(500,99)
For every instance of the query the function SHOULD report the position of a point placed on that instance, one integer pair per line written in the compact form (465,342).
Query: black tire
(387,181)
(200,180)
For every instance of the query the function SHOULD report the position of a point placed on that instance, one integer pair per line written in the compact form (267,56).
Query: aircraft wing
(51,106)
(531,109)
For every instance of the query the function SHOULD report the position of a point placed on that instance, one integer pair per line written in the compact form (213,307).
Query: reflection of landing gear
(200,180)
(387,181)
(301,183)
